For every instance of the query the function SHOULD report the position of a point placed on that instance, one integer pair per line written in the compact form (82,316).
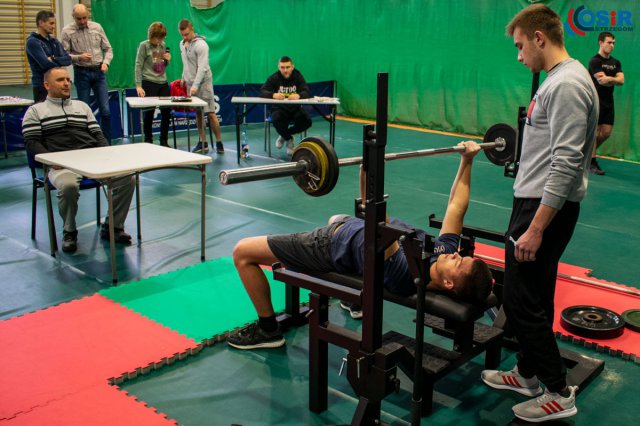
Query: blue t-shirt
(347,252)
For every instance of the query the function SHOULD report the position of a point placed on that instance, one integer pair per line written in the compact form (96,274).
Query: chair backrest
(33,164)
(176,89)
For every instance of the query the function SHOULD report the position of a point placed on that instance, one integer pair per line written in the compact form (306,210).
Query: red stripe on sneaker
(506,381)
(516,382)
(546,410)
(556,405)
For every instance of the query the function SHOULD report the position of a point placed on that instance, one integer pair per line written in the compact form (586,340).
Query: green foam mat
(201,301)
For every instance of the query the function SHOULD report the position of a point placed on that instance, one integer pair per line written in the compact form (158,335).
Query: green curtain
(450,65)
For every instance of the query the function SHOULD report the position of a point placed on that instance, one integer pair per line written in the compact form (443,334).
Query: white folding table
(8,103)
(153,102)
(240,101)
(105,164)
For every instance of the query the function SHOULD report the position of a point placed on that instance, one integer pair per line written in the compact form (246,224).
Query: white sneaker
(549,406)
(280,142)
(512,380)
(290,146)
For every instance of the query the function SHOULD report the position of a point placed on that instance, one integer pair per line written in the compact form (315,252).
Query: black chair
(38,182)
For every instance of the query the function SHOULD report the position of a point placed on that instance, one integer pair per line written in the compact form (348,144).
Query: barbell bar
(499,144)
(250,174)
(315,166)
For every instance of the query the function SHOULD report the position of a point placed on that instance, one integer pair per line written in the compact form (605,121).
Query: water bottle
(245,143)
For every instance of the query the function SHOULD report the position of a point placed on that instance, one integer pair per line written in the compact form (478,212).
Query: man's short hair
(603,35)
(44,16)
(184,24)
(476,286)
(538,17)
(285,59)
(48,72)
(157,30)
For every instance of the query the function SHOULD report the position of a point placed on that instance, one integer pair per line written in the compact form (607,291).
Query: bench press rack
(373,359)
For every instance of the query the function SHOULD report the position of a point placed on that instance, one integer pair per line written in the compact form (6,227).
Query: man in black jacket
(287,84)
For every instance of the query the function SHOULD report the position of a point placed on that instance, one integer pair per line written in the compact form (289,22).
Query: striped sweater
(60,125)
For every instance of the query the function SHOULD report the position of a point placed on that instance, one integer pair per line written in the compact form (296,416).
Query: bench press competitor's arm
(460,191)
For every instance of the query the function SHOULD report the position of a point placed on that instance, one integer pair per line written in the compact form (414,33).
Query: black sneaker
(595,168)
(253,337)
(120,236)
(354,310)
(219,148)
(201,148)
(69,241)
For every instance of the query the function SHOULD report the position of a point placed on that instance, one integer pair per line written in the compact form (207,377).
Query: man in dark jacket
(44,52)
(287,84)
(62,124)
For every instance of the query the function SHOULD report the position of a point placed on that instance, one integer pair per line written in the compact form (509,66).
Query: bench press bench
(444,315)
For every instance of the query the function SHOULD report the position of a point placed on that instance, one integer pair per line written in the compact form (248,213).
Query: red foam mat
(97,406)
(53,353)
(570,291)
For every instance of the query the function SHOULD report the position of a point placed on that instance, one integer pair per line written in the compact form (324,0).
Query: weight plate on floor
(592,321)
(631,318)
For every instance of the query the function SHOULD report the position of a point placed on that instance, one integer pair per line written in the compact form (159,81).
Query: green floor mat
(202,301)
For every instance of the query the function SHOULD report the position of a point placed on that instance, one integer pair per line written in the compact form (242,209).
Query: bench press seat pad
(436,303)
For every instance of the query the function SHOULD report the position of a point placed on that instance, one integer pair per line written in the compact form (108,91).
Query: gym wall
(451,66)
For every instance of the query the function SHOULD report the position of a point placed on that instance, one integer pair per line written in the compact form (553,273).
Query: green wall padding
(200,301)
(451,66)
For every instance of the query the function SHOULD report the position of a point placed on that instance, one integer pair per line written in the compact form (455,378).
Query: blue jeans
(88,79)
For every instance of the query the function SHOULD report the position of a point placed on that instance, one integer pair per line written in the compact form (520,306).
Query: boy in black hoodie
(287,84)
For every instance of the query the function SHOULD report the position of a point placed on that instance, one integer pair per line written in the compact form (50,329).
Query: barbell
(315,166)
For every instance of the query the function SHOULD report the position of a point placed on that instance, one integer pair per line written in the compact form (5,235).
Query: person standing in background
(91,55)
(44,52)
(198,79)
(151,79)
(606,72)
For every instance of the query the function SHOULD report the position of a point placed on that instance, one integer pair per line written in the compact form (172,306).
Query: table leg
(112,238)
(141,125)
(133,137)
(4,134)
(203,176)
(332,127)
(51,224)
(138,208)
(238,123)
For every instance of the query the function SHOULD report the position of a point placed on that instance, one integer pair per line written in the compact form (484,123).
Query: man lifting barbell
(339,247)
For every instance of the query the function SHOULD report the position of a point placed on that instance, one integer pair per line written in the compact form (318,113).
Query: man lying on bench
(339,247)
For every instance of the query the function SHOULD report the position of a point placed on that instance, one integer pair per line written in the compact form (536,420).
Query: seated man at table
(287,84)
(62,124)
(339,247)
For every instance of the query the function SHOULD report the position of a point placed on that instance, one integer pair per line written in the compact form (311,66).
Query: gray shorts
(306,251)
(205,92)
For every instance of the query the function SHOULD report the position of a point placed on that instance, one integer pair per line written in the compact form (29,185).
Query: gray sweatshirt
(149,63)
(558,137)
(195,62)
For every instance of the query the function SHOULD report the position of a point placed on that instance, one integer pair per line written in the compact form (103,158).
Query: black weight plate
(332,171)
(592,321)
(508,154)
(631,318)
